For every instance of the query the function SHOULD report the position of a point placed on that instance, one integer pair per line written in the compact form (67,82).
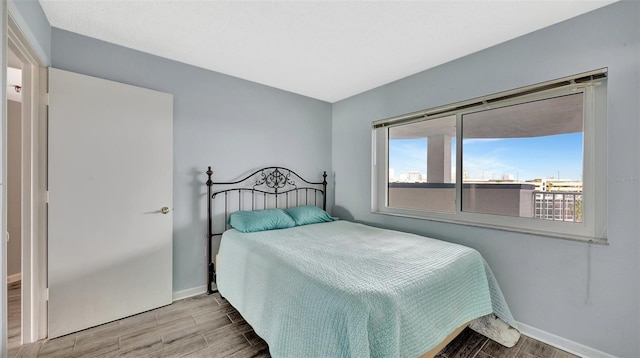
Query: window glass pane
(525,160)
(422,165)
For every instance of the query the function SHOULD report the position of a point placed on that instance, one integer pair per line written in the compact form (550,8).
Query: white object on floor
(496,329)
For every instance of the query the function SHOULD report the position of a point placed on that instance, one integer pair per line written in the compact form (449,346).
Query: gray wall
(14,186)
(31,19)
(546,281)
(231,124)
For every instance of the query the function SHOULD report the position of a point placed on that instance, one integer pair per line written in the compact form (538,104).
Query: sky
(523,158)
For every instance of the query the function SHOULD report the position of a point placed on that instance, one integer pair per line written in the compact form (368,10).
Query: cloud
(407,155)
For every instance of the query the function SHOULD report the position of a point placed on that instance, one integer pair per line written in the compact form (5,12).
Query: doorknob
(164,210)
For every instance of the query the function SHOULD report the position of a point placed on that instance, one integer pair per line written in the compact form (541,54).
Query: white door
(110,175)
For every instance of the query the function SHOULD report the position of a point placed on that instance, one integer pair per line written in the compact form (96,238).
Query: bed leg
(211,271)
(212,279)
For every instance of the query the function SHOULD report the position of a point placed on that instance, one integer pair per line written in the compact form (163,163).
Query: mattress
(342,289)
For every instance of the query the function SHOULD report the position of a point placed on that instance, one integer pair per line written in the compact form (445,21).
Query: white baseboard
(190,292)
(14,278)
(562,343)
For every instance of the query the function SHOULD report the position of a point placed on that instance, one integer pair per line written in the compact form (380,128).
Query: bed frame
(274,187)
(270,187)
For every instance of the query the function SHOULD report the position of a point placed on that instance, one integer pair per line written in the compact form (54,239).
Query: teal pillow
(304,215)
(260,220)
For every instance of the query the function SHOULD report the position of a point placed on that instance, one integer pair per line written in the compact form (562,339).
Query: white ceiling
(327,50)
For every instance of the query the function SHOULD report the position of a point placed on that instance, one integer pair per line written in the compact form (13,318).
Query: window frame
(593,227)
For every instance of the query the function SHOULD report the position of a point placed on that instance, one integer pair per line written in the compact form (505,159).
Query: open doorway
(14,199)
(25,190)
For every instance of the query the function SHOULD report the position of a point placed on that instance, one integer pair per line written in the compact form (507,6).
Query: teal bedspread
(342,289)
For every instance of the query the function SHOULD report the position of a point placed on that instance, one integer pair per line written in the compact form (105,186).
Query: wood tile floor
(208,326)
(13,313)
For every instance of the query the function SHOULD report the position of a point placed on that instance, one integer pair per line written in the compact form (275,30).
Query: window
(421,156)
(530,160)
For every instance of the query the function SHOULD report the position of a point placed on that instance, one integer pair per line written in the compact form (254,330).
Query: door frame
(34,190)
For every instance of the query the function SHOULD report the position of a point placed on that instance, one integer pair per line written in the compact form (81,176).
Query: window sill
(554,235)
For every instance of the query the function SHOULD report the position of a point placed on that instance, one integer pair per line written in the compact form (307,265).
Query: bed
(322,287)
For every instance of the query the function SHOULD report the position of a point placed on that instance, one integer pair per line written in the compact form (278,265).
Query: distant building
(415,177)
(565,185)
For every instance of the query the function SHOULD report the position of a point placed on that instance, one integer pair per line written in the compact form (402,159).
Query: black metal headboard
(270,187)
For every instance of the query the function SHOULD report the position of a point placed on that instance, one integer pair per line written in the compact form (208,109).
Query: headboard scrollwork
(275,179)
